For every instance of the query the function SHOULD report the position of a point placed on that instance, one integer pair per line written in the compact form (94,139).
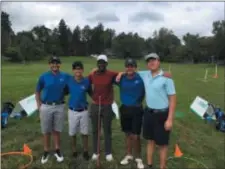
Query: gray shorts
(52,118)
(78,121)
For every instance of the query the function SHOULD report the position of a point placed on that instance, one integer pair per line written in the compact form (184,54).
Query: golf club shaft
(99,130)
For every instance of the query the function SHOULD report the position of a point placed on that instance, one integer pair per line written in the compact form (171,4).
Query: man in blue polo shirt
(50,102)
(78,116)
(158,117)
(131,111)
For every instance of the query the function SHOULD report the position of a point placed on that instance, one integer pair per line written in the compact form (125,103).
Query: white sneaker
(140,164)
(94,157)
(58,156)
(44,158)
(126,160)
(109,157)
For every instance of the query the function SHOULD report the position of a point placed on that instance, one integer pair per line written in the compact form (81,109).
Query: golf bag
(218,114)
(7,109)
(220,120)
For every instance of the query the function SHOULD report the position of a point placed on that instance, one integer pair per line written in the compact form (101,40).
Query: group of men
(155,119)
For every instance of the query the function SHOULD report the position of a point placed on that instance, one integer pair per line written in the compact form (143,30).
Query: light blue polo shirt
(157,89)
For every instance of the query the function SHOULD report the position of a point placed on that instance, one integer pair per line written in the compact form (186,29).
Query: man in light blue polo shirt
(50,102)
(78,117)
(159,114)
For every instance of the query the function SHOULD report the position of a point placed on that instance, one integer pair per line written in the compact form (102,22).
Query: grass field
(195,138)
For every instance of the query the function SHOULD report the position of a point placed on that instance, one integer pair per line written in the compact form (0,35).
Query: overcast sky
(140,17)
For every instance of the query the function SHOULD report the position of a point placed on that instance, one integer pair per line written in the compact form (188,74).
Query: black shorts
(153,127)
(131,119)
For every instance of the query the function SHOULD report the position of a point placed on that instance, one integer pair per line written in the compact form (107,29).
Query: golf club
(99,132)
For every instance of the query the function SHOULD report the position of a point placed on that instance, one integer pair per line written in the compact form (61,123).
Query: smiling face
(130,69)
(54,66)
(102,65)
(78,72)
(153,64)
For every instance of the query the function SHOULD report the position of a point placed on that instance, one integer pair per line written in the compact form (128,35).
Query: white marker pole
(206,75)
(216,70)
(170,68)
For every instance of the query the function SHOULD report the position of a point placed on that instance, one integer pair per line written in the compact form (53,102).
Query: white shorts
(78,122)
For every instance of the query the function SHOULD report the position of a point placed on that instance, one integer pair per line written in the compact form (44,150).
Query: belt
(152,111)
(53,103)
(78,110)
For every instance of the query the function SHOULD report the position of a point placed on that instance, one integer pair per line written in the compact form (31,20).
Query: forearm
(172,107)
(38,98)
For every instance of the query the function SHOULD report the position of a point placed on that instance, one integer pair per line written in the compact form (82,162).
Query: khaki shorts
(52,118)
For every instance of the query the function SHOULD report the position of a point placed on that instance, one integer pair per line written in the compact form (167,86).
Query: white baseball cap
(102,57)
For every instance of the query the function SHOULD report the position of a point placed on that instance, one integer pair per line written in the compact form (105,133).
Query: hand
(168,125)
(167,74)
(94,70)
(118,77)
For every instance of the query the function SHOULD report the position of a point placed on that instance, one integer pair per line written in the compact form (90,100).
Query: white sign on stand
(115,109)
(199,106)
(28,105)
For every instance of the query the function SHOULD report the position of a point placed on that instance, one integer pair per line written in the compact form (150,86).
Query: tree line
(40,42)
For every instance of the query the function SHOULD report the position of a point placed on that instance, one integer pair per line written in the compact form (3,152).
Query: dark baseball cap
(130,62)
(54,59)
(77,64)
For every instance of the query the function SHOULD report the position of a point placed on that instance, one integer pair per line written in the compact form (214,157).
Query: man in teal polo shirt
(159,114)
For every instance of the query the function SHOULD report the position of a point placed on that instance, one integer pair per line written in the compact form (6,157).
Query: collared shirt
(52,86)
(77,91)
(132,90)
(157,89)
(102,86)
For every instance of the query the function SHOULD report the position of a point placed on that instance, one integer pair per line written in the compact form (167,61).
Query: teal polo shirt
(157,89)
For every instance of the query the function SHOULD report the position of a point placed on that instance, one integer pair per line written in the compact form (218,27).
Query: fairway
(195,138)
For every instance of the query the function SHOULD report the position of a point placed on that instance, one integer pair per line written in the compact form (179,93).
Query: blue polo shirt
(132,91)
(52,86)
(77,91)
(157,89)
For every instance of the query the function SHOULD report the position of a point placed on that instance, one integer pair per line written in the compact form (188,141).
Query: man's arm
(39,87)
(170,88)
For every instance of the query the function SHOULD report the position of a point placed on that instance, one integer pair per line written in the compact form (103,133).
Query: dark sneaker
(58,156)
(44,157)
(149,167)
(75,154)
(86,155)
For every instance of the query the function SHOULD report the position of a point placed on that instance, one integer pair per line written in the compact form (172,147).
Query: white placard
(199,106)
(28,104)
(115,109)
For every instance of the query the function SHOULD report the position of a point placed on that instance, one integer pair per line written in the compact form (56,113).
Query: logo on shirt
(61,80)
(136,81)
(83,87)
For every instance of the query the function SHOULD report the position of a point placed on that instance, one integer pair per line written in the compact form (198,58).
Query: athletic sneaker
(109,157)
(94,157)
(140,164)
(44,157)
(58,156)
(86,155)
(126,160)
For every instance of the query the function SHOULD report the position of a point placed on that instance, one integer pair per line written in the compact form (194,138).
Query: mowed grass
(195,138)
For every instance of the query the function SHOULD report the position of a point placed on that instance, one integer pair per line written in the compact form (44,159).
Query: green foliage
(63,41)
(13,53)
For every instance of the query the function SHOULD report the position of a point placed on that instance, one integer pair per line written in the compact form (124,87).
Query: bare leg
(150,151)
(128,144)
(137,145)
(163,155)
(46,140)
(56,135)
(85,142)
